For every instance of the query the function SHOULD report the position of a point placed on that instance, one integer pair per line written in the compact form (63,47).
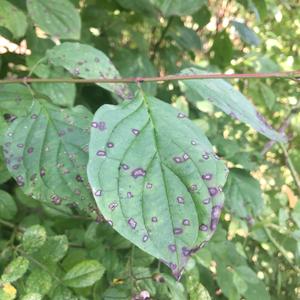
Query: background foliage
(51,253)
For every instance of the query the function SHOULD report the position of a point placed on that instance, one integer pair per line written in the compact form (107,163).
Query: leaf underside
(47,153)
(87,62)
(155,178)
(230,101)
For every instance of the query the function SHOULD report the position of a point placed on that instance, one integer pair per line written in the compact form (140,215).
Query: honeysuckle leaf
(231,101)
(47,153)
(155,178)
(87,62)
(58,18)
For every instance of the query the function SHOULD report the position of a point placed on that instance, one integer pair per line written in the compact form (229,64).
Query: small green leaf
(58,18)
(231,101)
(32,296)
(243,194)
(87,62)
(34,238)
(38,282)
(247,34)
(8,208)
(155,178)
(54,249)
(15,270)
(54,158)
(84,274)
(13,19)
(267,95)
(178,7)
(4,174)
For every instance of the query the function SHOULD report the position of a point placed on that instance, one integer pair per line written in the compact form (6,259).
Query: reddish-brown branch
(294,75)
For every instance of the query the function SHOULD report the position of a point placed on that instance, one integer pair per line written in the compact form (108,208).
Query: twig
(162,36)
(291,167)
(289,75)
(280,249)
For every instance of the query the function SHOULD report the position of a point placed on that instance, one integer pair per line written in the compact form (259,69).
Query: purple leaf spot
(149,185)
(185,156)
(213,191)
(206,201)
(193,142)
(98,193)
(177,159)
(124,166)
(79,178)
(207,176)
(129,195)
(145,238)
(42,172)
(139,172)
(186,222)
(193,187)
(101,153)
(30,150)
(56,199)
(135,131)
(109,145)
(177,230)
(132,223)
(180,199)
(186,251)
(112,206)
(203,227)
(172,247)
(101,126)
(205,156)
(20,145)
(181,115)
(154,219)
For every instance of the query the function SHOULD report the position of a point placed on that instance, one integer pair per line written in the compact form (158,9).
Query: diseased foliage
(109,189)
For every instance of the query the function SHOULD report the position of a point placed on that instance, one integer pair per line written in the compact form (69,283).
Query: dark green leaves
(58,18)
(84,274)
(247,34)
(46,152)
(8,207)
(12,19)
(231,101)
(155,178)
(87,62)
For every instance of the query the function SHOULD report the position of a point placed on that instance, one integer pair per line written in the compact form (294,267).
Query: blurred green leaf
(58,18)
(247,34)
(231,101)
(13,19)
(8,208)
(243,194)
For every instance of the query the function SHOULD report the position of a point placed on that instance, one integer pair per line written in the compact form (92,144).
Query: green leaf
(62,94)
(87,62)
(63,293)
(47,154)
(178,7)
(84,274)
(13,19)
(54,249)
(15,270)
(38,282)
(247,34)
(267,95)
(155,178)
(8,208)
(58,18)
(243,194)
(231,101)
(4,174)
(32,296)
(34,238)
(221,50)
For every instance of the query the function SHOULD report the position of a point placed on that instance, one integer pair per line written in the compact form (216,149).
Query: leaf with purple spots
(231,101)
(84,61)
(48,165)
(163,178)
